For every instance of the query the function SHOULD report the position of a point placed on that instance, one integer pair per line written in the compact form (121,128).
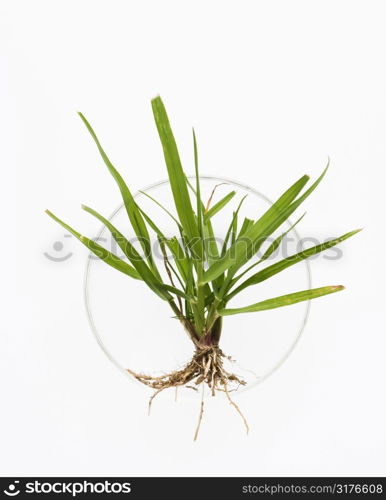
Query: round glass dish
(136,330)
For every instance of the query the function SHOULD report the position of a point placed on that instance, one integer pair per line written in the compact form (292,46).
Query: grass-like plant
(202,277)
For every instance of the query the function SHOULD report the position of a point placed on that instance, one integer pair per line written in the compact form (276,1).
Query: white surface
(272,88)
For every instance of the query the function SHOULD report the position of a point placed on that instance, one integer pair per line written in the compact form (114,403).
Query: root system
(205,367)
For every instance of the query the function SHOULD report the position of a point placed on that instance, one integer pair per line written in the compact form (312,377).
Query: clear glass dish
(136,330)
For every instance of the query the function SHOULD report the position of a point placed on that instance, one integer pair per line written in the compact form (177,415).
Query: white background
(272,88)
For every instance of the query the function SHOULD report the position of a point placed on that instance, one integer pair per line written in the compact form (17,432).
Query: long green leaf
(176,174)
(136,260)
(283,300)
(179,257)
(172,244)
(117,235)
(246,247)
(269,271)
(210,243)
(229,231)
(199,310)
(168,264)
(162,207)
(219,206)
(210,248)
(176,291)
(247,223)
(234,229)
(198,190)
(237,252)
(276,242)
(269,222)
(272,247)
(134,216)
(101,252)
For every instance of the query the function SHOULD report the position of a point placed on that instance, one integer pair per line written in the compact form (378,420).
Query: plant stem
(216,331)
(187,324)
(212,314)
(200,317)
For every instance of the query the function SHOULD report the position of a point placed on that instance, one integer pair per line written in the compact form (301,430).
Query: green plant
(203,277)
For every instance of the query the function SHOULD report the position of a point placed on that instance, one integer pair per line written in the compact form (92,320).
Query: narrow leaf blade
(283,300)
(101,252)
(134,216)
(241,249)
(276,268)
(176,174)
(136,260)
(219,205)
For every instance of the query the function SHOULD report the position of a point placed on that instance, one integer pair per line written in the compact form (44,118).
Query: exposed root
(206,367)
(200,416)
(237,409)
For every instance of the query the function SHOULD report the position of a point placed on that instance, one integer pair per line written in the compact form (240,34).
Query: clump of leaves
(203,278)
